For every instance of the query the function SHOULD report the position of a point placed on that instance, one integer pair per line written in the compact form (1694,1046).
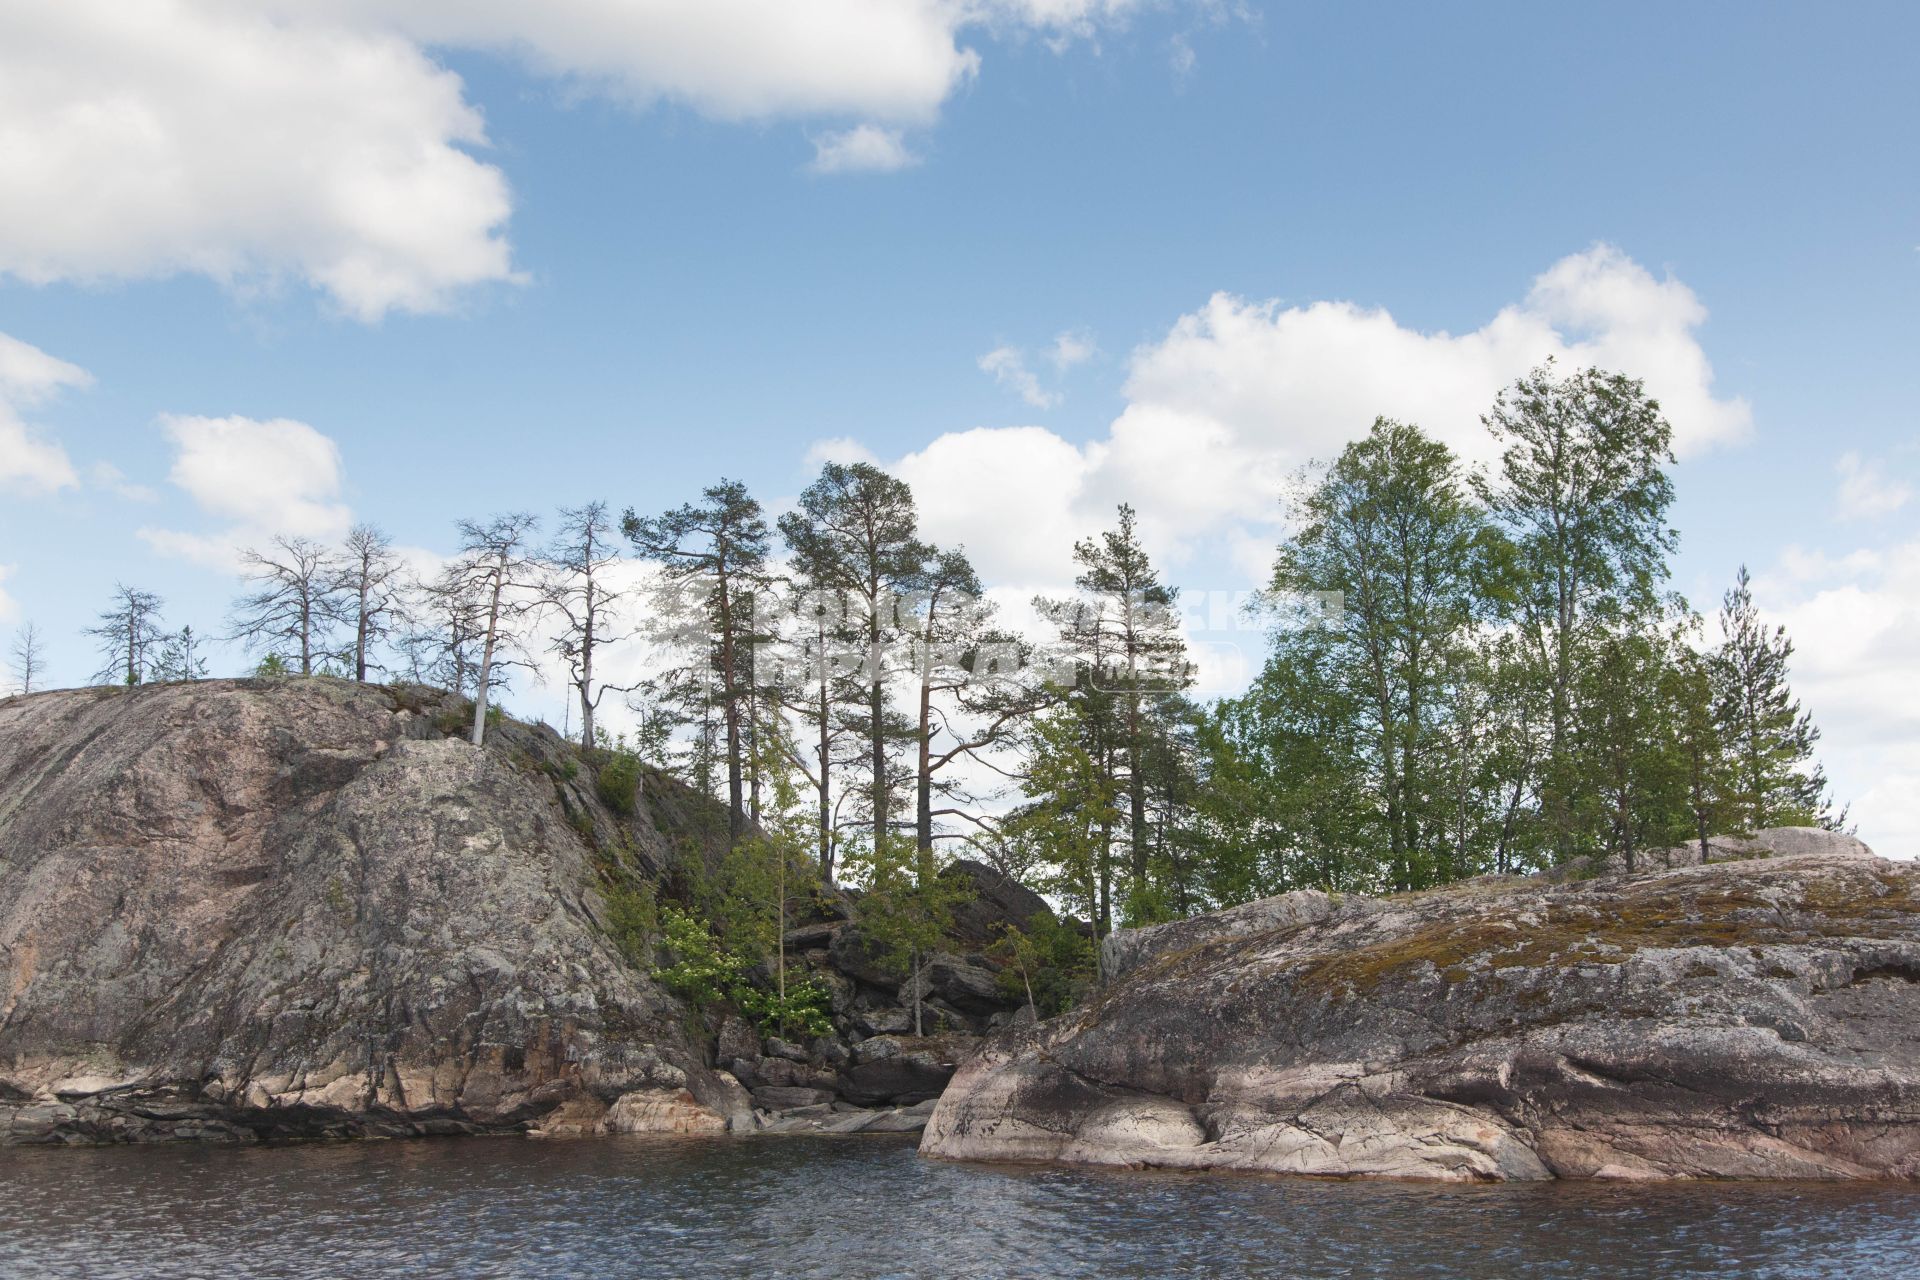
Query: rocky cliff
(1749,1018)
(298,908)
(242,909)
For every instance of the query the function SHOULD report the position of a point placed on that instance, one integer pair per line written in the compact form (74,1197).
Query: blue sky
(1721,198)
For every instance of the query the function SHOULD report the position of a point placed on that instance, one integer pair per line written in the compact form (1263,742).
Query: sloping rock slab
(253,909)
(1750,1019)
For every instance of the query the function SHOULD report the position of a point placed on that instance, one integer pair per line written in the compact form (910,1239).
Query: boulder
(778,1048)
(1757,1018)
(962,985)
(995,901)
(736,1039)
(903,1069)
(853,957)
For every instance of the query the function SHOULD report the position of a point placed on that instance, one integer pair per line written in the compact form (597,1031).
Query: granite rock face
(1757,1018)
(241,909)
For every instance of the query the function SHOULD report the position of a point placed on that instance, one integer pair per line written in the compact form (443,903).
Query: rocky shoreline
(304,909)
(246,910)
(1756,1018)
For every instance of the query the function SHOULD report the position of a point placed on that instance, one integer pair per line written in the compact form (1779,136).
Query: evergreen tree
(715,554)
(1770,739)
(856,528)
(1122,637)
(180,657)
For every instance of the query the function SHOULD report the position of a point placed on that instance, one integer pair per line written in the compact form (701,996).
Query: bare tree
(129,633)
(28,657)
(299,600)
(496,568)
(439,629)
(579,563)
(370,581)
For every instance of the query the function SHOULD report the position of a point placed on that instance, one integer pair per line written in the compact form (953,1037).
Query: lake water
(866,1207)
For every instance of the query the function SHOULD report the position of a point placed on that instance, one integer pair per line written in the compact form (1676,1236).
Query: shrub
(618,783)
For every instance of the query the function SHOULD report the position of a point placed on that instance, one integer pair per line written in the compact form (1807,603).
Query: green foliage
(272,667)
(633,920)
(702,972)
(906,907)
(1048,963)
(618,783)
(805,1007)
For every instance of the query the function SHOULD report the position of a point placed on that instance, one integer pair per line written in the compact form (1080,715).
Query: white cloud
(1071,347)
(29,462)
(1866,491)
(172,136)
(104,475)
(1855,623)
(254,141)
(266,478)
(841,449)
(9,611)
(865,148)
(1238,394)
(1008,365)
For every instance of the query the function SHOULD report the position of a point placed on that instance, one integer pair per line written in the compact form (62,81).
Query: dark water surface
(862,1207)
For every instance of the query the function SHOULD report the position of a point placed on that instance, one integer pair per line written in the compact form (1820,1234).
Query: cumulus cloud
(1238,394)
(1866,490)
(318,141)
(1855,623)
(182,136)
(264,478)
(866,148)
(30,462)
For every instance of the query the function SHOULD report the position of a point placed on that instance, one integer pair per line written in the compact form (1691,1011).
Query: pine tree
(856,528)
(1771,740)
(1122,637)
(714,555)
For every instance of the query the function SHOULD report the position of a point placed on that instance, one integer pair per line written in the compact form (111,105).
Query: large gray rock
(1754,1018)
(1126,949)
(291,909)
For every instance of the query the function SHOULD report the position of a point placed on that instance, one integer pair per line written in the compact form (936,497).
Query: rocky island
(289,909)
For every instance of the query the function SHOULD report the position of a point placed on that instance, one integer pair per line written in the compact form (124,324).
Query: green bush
(618,783)
(702,972)
(806,1008)
(633,921)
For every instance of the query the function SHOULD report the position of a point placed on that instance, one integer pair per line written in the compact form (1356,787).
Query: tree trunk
(485,677)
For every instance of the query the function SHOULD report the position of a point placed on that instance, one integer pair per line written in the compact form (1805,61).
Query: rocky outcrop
(1749,1018)
(240,909)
